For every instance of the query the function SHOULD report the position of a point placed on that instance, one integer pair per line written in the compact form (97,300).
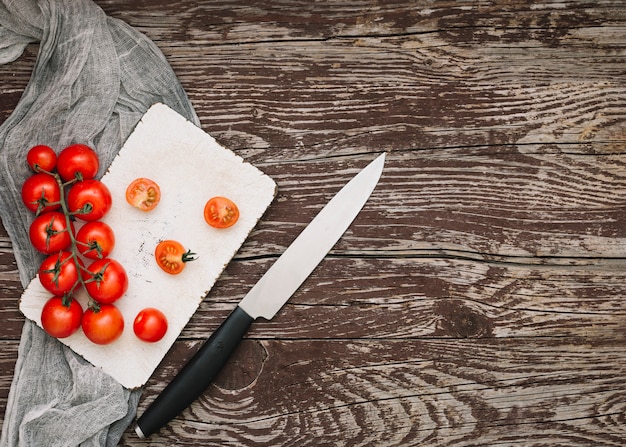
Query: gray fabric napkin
(94,78)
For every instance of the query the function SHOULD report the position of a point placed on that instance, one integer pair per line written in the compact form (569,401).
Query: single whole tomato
(95,240)
(58,273)
(49,232)
(104,324)
(150,325)
(106,280)
(77,161)
(41,158)
(41,193)
(61,318)
(143,193)
(89,200)
(221,212)
(171,256)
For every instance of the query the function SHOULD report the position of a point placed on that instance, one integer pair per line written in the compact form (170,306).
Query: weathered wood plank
(8,357)
(432,297)
(10,291)
(413,392)
(458,76)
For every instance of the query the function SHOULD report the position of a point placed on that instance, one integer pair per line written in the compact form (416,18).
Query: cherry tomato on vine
(103,325)
(49,233)
(58,273)
(77,161)
(95,240)
(41,157)
(150,325)
(106,280)
(89,200)
(221,212)
(41,193)
(143,193)
(61,319)
(171,256)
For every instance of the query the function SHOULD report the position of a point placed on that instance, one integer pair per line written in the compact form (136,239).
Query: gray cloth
(94,78)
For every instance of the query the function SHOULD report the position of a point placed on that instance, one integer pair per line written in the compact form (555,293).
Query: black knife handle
(196,375)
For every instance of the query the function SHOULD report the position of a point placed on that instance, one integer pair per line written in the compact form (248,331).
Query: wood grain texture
(478,299)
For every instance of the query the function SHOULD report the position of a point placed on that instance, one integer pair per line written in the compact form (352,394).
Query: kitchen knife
(264,300)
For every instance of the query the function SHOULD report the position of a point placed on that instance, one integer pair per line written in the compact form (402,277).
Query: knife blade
(265,298)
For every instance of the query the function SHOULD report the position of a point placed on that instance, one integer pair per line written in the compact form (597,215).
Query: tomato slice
(143,193)
(171,256)
(221,212)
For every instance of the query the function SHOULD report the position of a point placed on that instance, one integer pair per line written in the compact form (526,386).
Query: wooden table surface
(480,296)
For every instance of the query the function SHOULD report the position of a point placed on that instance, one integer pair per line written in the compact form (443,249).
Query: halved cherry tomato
(77,161)
(60,317)
(58,273)
(95,240)
(106,280)
(104,324)
(89,200)
(143,193)
(41,157)
(41,193)
(150,325)
(171,256)
(49,234)
(220,212)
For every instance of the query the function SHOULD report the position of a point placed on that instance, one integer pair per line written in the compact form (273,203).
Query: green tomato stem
(73,242)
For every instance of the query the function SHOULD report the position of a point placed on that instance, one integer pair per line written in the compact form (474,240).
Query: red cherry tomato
(103,325)
(58,273)
(220,212)
(150,325)
(41,157)
(171,256)
(48,232)
(106,280)
(89,200)
(77,161)
(143,193)
(41,193)
(60,319)
(95,240)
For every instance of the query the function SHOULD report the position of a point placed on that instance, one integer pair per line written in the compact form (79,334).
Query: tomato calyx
(188,256)
(66,299)
(98,276)
(85,209)
(43,203)
(93,247)
(94,306)
(51,232)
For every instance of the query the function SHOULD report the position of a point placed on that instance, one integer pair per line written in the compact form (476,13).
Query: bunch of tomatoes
(69,202)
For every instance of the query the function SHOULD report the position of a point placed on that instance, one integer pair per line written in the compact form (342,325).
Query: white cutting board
(190,167)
